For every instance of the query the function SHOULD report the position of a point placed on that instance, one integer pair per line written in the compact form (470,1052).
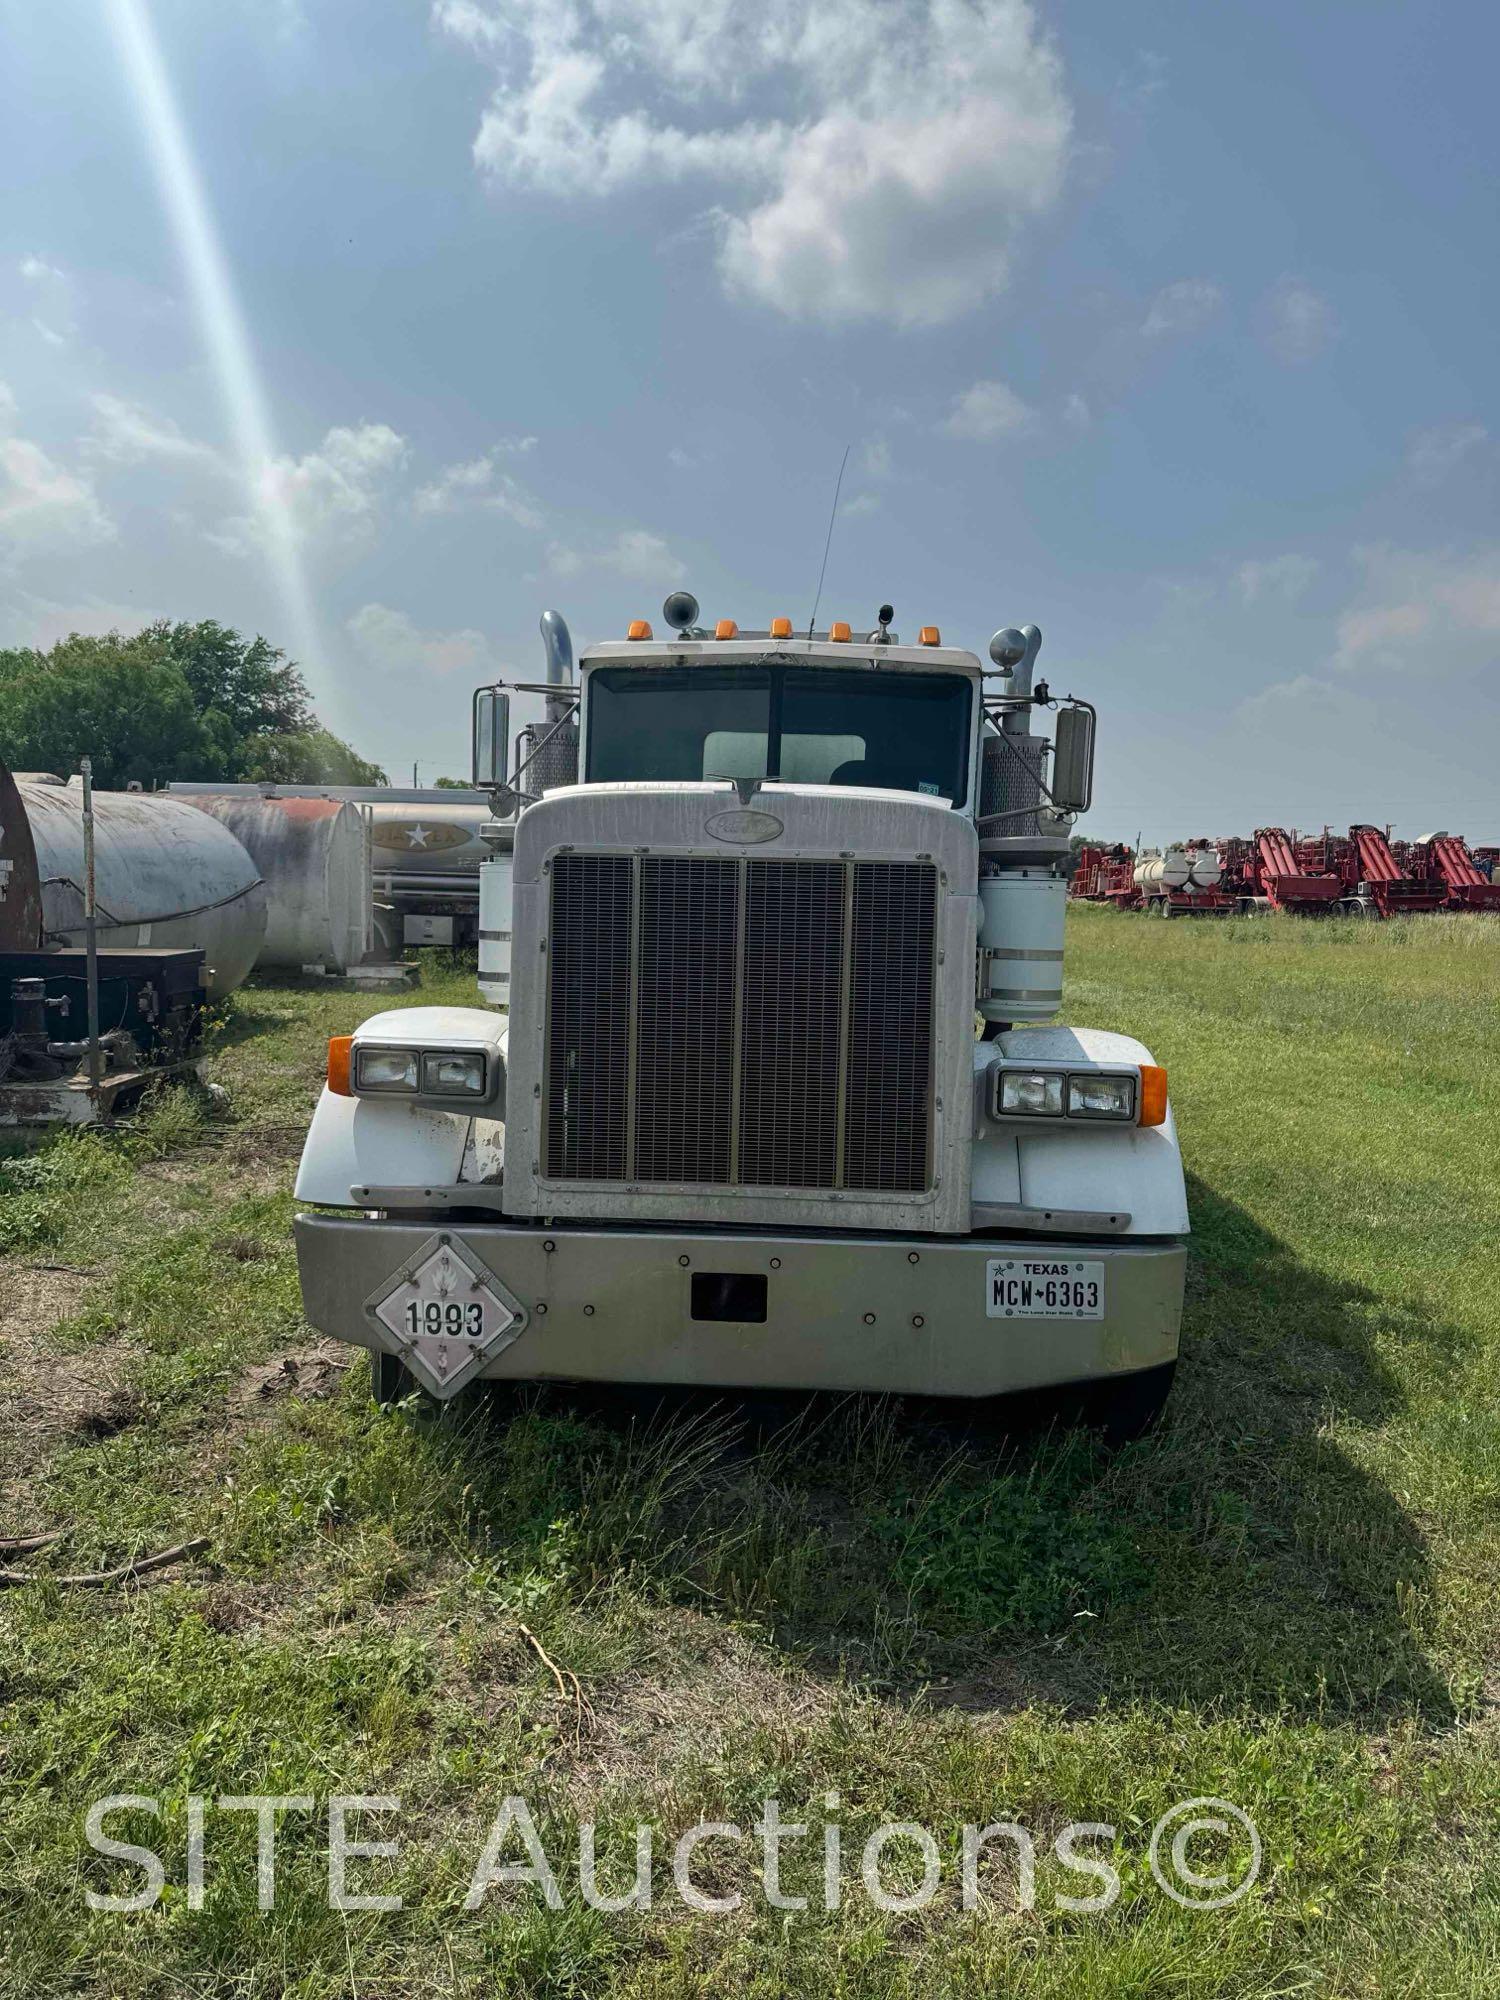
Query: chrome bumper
(887,1313)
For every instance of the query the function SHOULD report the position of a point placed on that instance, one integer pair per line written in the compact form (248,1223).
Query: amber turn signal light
(1153,1095)
(340,1049)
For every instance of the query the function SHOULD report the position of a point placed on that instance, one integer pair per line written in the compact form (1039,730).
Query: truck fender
(1078,1166)
(387,1142)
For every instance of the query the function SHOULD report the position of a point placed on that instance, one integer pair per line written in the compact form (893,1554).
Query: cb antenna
(833,514)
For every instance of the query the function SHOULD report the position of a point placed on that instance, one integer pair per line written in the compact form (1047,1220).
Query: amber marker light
(781,628)
(838,632)
(1153,1095)
(340,1049)
(726,629)
(638,629)
(929,636)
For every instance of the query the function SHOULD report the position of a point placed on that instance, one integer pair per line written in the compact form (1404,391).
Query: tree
(171,701)
(311,757)
(135,717)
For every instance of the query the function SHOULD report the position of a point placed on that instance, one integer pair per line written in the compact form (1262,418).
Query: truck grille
(735,1022)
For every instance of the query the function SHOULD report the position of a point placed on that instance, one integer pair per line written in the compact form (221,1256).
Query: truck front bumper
(885,1313)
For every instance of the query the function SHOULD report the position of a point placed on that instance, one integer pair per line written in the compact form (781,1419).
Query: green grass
(1288,1598)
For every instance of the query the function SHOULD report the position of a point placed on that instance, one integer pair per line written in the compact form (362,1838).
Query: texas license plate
(1043,1288)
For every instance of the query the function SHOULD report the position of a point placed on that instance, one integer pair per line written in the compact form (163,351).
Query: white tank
(314,855)
(495,879)
(163,875)
(1022,914)
(417,838)
(1163,872)
(1206,867)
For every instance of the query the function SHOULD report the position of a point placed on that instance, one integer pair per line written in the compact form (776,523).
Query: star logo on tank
(446,1315)
(418,835)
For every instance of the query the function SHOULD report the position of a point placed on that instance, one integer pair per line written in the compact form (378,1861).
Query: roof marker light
(781,628)
(726,629)
(929,636)
(639,629)
(838,632)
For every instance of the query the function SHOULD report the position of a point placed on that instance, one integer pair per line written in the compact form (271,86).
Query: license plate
(1043,1288)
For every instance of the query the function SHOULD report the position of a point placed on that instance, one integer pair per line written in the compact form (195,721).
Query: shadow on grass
(1239,1557)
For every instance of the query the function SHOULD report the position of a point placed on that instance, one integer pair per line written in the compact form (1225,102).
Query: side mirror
(1073,760)
(491,738)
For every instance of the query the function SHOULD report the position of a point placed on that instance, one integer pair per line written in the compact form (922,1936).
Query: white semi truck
(765,1092)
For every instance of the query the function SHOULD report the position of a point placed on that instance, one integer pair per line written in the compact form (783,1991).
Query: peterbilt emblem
(746,827)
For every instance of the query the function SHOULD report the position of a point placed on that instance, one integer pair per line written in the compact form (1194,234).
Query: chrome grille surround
(797,1021)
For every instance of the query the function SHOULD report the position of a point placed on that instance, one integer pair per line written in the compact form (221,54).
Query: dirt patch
(309,1373)
(46,1398)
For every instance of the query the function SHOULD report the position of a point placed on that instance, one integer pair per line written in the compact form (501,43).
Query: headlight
(1096,1096)
(1031,1093)
(385,1069)
(449,1073)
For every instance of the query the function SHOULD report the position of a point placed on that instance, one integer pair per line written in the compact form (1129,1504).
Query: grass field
(1289,1598)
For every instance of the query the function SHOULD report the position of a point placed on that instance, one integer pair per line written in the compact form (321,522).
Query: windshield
(807,725)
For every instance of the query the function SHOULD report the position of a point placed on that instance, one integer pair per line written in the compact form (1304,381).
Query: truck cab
(766,1092)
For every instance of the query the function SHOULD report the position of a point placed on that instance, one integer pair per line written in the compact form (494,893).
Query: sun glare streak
(220,316)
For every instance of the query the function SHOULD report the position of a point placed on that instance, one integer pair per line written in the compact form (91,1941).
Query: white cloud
(479,483)
(987,410)
(1283,578)
(53,292)
(127,434)
(635,553)
(42,504)
(1184,307)
(1076,412)
(643,557)
(391,642)
(1427,614)
(871,158)
(1297,323)
(42,621)
(1433,453)
(875,458)
(333,492)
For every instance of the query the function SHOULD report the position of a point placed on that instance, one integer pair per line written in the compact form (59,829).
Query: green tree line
(171,701)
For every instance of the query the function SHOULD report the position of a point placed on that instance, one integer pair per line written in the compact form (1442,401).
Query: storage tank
(163,875)
(314,857)
(1160,874)
(1022,914)
(1206,867)
(430,837)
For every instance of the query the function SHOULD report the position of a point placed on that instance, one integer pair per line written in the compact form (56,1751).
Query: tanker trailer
(164,875)
(776,1099)
(1160,877)
(314,856)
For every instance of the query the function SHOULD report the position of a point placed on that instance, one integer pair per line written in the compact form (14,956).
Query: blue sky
(1169,327)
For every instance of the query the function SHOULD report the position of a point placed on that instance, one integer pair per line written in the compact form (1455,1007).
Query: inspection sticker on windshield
(1043,1288)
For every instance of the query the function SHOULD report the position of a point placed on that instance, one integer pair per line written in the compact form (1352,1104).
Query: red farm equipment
(1287,881)
(1106,875)
(1457,877)
(1373,882)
